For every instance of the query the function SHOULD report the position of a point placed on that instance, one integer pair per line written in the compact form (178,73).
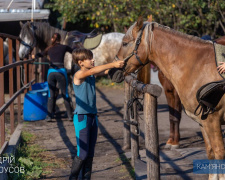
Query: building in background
(14,11)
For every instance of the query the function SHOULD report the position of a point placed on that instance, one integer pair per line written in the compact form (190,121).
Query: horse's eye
(125,43)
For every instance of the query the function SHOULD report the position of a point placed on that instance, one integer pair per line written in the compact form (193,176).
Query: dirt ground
(58,137)
(110,162)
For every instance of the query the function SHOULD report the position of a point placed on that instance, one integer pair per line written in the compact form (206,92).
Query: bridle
(30,47)
(134,52)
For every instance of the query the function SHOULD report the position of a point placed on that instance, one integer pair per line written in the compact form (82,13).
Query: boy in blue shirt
(85,115)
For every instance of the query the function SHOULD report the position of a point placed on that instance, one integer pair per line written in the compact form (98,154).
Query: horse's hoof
(213,177)
(167,146)
(175,146)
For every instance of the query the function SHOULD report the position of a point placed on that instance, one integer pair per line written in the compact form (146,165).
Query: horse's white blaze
(23,50)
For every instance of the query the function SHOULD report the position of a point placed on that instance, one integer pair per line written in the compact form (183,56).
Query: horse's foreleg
(209,151)
(212,129)
(176,120)
(169,97)
(174,116)
(175,109)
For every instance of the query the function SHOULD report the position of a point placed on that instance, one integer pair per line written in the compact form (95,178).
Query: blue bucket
(40,86)
(35,103)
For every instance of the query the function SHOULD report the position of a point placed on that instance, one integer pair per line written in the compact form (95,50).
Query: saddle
(80,34)
(87,40)
(208,96)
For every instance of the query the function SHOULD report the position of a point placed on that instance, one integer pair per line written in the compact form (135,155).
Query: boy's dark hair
(81,54)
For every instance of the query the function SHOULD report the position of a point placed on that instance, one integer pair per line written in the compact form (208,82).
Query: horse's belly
(192,116)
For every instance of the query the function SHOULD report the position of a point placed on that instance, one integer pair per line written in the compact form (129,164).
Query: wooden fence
(131,125)
(21,75)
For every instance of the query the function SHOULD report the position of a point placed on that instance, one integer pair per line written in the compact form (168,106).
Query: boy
(85,118)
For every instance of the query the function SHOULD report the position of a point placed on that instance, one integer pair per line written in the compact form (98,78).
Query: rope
(32,11)
(9,5)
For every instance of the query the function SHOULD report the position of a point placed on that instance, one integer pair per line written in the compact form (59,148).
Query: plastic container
(35,103)
(40,86)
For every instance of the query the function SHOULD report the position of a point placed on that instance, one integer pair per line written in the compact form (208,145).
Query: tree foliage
(197,17)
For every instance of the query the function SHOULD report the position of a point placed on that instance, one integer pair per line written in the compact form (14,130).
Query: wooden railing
(22,69)
(131,125)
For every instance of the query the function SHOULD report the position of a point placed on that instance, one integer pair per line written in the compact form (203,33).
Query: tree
(196,17)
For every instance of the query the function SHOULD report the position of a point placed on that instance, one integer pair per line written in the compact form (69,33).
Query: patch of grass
(107,82)
(36,161)
(126,166)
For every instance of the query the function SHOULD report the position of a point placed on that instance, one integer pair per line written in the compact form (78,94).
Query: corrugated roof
(20,10)
(20,4)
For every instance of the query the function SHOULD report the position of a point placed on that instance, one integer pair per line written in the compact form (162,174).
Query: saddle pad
(92,42)
(220,55)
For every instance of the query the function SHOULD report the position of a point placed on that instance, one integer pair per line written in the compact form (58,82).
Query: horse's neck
(44,34)
(177,55)
(187,62)
(144,74)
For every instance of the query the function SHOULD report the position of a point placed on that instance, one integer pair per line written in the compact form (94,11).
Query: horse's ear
(28,23)
(139,23)
(125,29)
(150,18)
(21,24)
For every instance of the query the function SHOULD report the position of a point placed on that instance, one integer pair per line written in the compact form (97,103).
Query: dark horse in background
(188,63)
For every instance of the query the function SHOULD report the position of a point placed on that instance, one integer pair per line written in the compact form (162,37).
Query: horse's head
(133,50)
(27,39)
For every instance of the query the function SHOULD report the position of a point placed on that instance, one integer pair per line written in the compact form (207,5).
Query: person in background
(85,114)
(57,74)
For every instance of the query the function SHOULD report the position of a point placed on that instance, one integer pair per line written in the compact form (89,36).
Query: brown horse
(187,62)
(175,107)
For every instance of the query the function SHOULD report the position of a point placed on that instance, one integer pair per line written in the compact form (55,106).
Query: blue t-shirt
(85,96)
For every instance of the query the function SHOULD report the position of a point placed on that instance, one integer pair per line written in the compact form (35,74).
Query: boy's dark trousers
(86,127)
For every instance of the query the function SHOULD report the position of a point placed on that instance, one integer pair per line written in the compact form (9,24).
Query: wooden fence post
(151,129)
(134,133)
(18,74)
(151,137)
(2,92)
(126,116)
(25,80)
(11,87)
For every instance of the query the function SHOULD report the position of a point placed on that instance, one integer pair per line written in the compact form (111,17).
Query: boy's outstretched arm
(98,69)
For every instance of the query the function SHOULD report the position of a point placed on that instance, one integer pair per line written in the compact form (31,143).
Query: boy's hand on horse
(118,64)
(221,67)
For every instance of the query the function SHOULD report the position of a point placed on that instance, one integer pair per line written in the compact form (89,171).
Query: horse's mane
(46,31)
(181,34)
(43,32)
(169,30)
